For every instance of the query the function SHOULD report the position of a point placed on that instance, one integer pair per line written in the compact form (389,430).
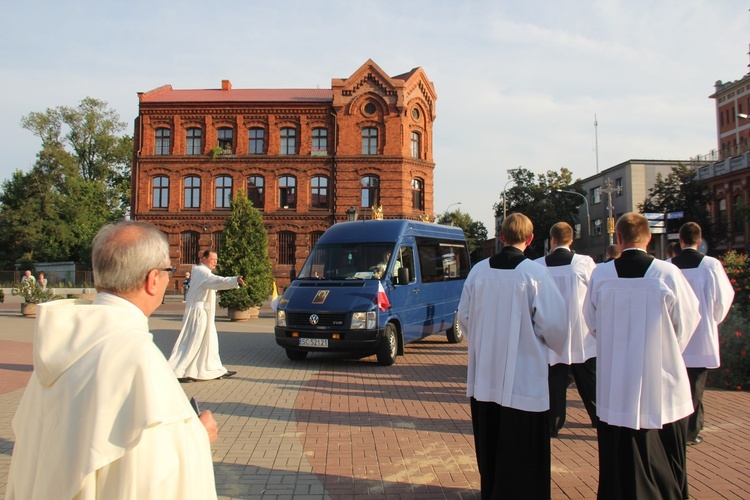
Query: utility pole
(609,189)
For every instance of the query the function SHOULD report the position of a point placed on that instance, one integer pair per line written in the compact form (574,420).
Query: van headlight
(363,320)
(280,318)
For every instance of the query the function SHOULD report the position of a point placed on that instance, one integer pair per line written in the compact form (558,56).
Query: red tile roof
(238,95)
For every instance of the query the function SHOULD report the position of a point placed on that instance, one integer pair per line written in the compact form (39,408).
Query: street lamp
(588,215)
(351,214)
(505,198)
(448,220)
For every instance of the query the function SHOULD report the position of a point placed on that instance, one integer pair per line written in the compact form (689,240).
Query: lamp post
(448,220)
(351,214)
(505,205)
(588,217)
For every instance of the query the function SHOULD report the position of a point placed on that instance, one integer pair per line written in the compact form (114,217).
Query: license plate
(313,342)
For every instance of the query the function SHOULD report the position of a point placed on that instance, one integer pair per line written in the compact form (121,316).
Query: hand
(208,421)
(240,281)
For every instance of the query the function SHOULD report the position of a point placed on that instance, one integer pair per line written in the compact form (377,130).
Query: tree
(244,252)
(681,191)
(79,182)
(537,197)
(474,231)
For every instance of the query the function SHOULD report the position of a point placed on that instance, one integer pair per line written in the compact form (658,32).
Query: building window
(161,192)
(223,191)
(370,109)
(314,237)
(369,141)
(287,192)
(194,141)
(288,141)
(596,195)
(189,248)
(417,194)
(722,211)
(416,144)
(216,239)
(320,140)
(370,191)
(738,221)
(597,227)
(225,135)
(192,192)
(162,141)
(287,248)
(319,192)
(255,191)
(257,139)
(618,186)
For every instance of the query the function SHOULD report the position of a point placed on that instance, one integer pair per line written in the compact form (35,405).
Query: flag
(275,297)
(383,302)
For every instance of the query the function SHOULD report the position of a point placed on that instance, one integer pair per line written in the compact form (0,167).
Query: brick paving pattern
(332,427)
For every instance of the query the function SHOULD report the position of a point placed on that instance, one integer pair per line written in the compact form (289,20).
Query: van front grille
(302,319)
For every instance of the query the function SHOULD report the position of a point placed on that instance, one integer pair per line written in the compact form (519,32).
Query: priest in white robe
(643,313)
(511,311)
(195,355)
(102,415)
(571,273)
(715,293)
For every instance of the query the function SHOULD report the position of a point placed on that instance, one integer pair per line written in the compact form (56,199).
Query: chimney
(226,85)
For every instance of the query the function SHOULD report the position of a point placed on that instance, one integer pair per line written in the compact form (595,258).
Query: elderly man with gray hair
(103,416)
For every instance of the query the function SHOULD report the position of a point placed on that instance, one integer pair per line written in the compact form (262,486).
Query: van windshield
(347,261)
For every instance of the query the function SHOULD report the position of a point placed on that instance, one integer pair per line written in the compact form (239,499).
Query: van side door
(406,302)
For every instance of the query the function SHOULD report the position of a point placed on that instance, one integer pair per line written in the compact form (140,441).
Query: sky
(518,83)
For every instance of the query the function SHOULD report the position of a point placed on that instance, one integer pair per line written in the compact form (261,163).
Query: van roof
(387,230)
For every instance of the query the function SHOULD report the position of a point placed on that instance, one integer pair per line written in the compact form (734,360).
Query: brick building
(303,157)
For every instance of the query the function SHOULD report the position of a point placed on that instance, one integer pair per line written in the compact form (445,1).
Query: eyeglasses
(170,269)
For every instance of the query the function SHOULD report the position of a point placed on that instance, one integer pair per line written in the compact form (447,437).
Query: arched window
(738,220)
(189,247)
(192,191)
(223,191)
(287,248)
(369,141)
(161,192)
(416,144)
(225,136)
(287,192)
(320,140)
(257,141)
(162,141)
(255,191)
(319,192)
(194,144)
(288,141)
(370,191)
(417,194)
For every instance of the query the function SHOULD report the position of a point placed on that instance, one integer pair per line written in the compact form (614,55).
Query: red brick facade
(309,147)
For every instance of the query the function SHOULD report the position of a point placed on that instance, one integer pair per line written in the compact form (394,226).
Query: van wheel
(295,355)
(454,333)
(388,349)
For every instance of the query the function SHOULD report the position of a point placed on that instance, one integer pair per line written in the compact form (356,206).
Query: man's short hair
(613,251)
(633,228)
(516,228)
(562,232)
(673,249)
(690,233)
(123,253)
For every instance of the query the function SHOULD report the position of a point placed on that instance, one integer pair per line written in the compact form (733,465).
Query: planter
(243,315)
(28,309)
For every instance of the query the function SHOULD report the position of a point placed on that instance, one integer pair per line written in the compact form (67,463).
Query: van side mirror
(292,275)
(403,276)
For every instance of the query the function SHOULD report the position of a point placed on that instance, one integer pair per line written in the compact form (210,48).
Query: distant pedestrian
(612,252)
(42,281)
(672,251)
(185,286)
(511,311)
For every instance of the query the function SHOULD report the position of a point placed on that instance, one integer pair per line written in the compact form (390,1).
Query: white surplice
(103,416)
(641,326)
(573,281)
(715,293)
(196,352)
(510,317)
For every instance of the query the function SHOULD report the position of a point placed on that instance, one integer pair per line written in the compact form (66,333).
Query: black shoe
(185,380)
(228,374)
(697,440)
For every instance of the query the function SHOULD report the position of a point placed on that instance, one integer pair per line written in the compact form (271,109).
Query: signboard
(654,216)
(673,236)
(658,230)
(676,215)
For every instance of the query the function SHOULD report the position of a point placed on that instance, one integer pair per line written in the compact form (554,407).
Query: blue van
(371,287)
